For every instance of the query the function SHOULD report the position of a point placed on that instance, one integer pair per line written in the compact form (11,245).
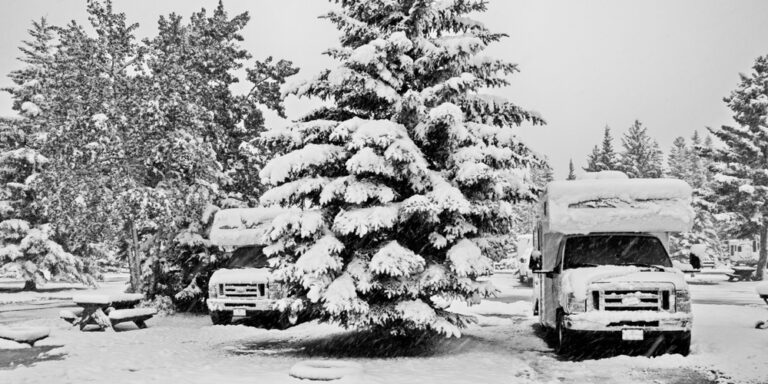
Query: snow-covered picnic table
(741,273)
(107,310)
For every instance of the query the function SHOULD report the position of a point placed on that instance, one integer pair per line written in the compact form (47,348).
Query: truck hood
(241,276)
(678,279)
(576,281)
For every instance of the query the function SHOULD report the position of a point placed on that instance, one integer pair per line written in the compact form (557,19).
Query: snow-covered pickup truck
(244,287)
(602,263)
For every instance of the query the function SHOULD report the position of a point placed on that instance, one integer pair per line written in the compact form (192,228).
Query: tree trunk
(134,259)
(29,285)
(763,252)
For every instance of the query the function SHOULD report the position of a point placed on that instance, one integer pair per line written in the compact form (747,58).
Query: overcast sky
(584,63)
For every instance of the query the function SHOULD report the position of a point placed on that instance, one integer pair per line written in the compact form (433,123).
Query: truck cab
(245,286)
(601,262)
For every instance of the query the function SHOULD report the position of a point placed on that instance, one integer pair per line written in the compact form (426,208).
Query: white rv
(743,250)
(602,263)
(244,287)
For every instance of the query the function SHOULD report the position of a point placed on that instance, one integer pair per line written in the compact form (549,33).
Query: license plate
(631,334)
(239,312)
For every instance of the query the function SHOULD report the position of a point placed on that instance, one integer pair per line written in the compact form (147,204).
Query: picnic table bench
(740,273)
(105,311)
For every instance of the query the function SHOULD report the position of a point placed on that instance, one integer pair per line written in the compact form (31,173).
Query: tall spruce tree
(608,159)
(641,156)
(571,171)
(679,162)
(593,160)
(603,158)
(397,183)
(28,247)
(741,185)
(684,163)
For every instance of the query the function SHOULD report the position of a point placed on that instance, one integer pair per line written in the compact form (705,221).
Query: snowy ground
(505,346)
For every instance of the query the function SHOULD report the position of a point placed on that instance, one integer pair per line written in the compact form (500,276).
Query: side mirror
(534,264)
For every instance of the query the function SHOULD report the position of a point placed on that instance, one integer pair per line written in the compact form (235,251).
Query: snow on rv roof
(239,227)
(601,175)
(619,205)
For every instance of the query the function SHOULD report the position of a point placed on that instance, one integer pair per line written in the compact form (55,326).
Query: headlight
(682,301)
(573,305)
(212,291)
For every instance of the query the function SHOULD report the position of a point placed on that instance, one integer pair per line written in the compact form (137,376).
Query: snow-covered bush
(401,180)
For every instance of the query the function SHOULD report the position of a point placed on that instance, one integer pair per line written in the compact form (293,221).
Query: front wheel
(221,317)
(564,337)
(683,344)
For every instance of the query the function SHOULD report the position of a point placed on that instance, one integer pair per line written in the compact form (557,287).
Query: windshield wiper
(659,267)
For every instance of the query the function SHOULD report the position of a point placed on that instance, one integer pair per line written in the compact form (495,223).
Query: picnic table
(105,311)
(741,273)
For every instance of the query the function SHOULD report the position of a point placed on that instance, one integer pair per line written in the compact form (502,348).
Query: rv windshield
(594,250)
(247,257)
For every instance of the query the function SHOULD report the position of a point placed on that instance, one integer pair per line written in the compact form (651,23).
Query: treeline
(125,147)
(640,156)
(729,180)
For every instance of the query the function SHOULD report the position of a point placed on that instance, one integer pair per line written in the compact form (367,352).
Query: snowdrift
(240,227)
(616,205)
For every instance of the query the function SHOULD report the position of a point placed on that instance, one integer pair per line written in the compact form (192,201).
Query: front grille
(244,291)
(631,300)
(643,324)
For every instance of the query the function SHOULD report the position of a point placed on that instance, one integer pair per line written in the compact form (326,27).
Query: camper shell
(601,260)
(245,287)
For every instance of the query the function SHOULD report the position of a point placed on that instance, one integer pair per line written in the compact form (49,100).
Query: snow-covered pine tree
(608,159)
(740,185)
(700,174)
(679,160)
(603,157)
(27,245)
(571,171)
(193,65)
(641,156)
(27,249)
(684,163)
(592,160)
(398,182)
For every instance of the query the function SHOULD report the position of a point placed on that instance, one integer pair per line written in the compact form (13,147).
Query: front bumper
(229,304)
(615,321)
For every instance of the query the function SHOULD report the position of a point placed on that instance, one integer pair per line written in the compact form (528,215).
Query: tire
(683,344)
(221,317)
(564,337)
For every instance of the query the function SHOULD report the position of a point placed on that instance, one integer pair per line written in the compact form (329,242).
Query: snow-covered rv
(602,263)
(245,286)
